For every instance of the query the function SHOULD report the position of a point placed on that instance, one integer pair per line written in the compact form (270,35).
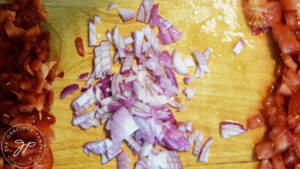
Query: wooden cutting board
(233,90)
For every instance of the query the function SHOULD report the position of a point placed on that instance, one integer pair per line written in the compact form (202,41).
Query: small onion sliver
(203,156)
(68,90)
(83,76)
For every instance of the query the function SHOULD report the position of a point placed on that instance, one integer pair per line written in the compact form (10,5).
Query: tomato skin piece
(282,138)
(79,46)
(264,150)
(255,121)
(278,162)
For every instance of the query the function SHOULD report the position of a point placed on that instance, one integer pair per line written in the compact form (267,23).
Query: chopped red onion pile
(135,104)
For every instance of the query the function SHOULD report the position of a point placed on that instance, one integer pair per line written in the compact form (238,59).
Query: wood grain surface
(233,89)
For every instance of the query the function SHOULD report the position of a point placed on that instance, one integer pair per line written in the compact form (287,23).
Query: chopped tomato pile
(26,75)
(281,147)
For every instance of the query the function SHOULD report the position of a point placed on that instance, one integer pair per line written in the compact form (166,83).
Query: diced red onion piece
(135,147)
(122,160)
(142,163)
(109,36)
(90,115)
(168,33)
(96,147)
(150,36)
(68,90)
(92,33)
(145,11)
(182,129)
(138,37)
(154,16)
(126,14)
(97,18)
(83,76)
(84,101)
(102,64)
(158,160)
(239,46)
(105,117)
(111,6)
(173,139)
(189,126)
(189,62)
(188,80)
(178,63)
(128,40)
(189,93)
(146,149)
(173,160)
(123,125)
(193,136)
(202,61)
(198,144)
(127,64)
(119,42)
(145,129)
(203,156)
(229,129)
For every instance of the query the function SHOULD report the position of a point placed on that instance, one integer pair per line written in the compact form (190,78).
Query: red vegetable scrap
(79,46)
(61,74)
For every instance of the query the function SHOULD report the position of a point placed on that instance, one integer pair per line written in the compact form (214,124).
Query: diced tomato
(278,162)
(290,19)
(297,145)
(289,158)
(255,121)
(264,150)
(289,5)
(79,46)
(265,164)
(290,62)
(33,32)
(272,13)
(292,79)
(13,32)
(282,138)
(286,39)
(294,104)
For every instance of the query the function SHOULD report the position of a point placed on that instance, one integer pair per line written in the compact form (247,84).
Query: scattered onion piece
(68,90)
(97,18)
(111,6)
(83,76)
(189,62)
(239,46)
(126,14)
(203,156)
(189,93)
(229,129)
(92,33)
(178,63)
